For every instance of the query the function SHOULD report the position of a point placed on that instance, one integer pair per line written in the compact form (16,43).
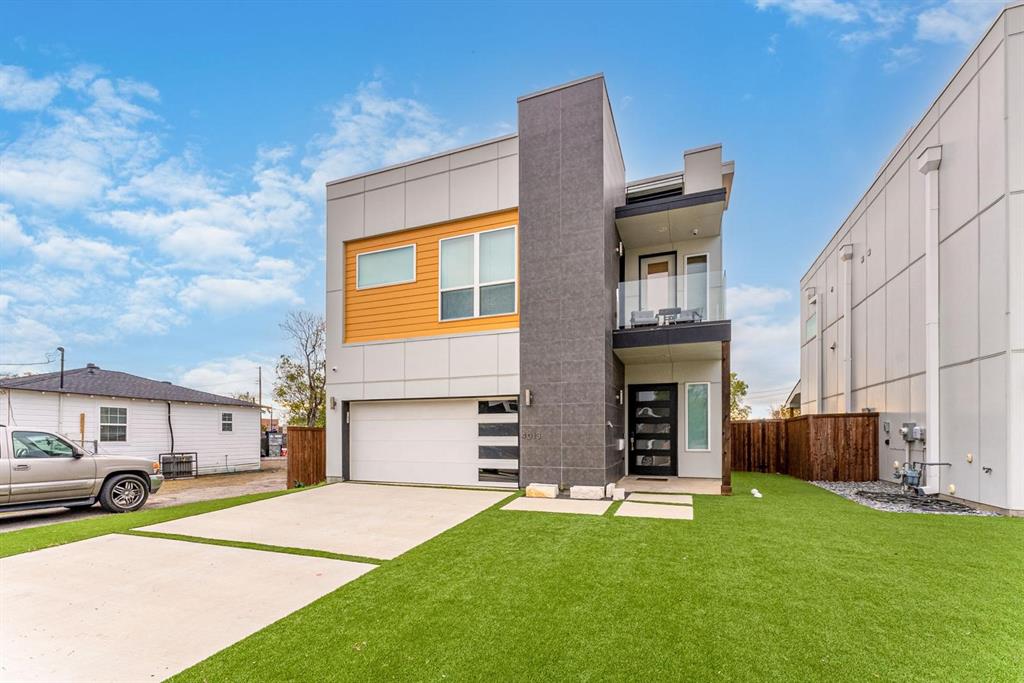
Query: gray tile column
(570,180)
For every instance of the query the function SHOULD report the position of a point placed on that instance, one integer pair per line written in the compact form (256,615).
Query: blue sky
(162,165)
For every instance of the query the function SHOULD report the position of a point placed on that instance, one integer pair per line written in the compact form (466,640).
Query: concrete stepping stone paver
(566,505)
(673,499)
(628,509)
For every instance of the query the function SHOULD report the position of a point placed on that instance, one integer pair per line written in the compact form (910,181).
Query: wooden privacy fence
(307,456)
(830,447)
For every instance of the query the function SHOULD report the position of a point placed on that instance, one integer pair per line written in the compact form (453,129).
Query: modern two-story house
(915,306)
(516,312)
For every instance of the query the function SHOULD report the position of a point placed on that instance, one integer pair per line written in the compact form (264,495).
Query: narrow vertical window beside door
(698,417)
(697,284)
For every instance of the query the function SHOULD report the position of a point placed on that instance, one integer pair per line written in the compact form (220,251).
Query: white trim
(100,423)
(380,251)
(686,417)
(476,285)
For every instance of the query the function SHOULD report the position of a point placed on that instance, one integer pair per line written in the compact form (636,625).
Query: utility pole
(260,368)
(61,349)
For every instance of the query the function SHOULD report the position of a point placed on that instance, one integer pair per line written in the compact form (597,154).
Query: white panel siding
(978,120)
(196,427)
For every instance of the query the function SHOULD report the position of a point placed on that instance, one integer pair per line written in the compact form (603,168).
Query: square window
(457,304)
(113,424)
(496,299)
(226,422)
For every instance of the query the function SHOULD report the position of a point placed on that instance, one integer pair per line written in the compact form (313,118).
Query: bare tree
(301,379)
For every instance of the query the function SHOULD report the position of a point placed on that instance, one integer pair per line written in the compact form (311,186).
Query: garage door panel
(414,430)
(423,451)
(429,442)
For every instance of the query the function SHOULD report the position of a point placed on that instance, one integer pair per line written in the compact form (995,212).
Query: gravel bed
(922,505)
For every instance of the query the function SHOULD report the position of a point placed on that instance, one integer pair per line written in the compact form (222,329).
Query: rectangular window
(698,417)
(498,429)
(386,267)
(226,422)
(499,406)
(40,445)
(113,424)
(697,284)
(811,324)
(498,452)
(488,474)
(478,274)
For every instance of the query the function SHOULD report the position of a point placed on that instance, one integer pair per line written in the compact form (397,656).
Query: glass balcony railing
(671,300)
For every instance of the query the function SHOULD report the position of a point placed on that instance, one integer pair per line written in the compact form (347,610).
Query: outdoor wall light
(622,397)
(970,457)
(952,489)
(527,397)
(334,403)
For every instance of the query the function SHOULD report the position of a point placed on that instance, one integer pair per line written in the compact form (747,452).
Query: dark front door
(653,425)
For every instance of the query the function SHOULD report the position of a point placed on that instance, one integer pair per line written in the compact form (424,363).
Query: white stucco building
(915,307)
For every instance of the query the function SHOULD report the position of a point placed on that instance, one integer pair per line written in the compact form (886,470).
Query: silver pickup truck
(41,469)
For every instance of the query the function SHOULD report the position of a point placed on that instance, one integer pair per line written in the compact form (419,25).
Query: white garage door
(462,442)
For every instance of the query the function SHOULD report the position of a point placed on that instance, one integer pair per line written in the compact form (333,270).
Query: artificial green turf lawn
(24,540)
(800,585)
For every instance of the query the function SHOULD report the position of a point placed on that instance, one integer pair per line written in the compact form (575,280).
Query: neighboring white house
(124,414)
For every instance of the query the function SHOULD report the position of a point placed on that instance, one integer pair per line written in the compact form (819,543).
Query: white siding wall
(979,122)
(691,463)
(196,427)
(471,181)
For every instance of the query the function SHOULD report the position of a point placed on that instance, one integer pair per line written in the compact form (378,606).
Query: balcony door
(697,284)
(653,428)
(657,281)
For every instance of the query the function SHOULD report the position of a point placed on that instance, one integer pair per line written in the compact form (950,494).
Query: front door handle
(22,467)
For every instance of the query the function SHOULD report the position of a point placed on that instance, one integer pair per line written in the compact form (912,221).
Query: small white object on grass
(756,493)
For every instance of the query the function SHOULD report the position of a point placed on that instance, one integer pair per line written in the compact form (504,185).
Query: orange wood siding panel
(412,309)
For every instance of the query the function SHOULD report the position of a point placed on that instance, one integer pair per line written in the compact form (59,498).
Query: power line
(46,362)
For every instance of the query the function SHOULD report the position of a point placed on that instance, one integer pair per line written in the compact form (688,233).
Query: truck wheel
(123,493)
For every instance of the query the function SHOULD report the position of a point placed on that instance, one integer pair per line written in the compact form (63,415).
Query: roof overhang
(671,219)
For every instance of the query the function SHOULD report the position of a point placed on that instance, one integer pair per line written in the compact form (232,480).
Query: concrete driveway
(367,520)
(126,608)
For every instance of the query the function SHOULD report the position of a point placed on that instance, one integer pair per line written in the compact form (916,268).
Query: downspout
(928,163)
(846,257)
(170,427)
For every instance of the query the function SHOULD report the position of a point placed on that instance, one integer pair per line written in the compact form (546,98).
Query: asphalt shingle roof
(98,382)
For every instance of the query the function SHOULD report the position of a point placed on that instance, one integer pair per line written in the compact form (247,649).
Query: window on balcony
(478,274)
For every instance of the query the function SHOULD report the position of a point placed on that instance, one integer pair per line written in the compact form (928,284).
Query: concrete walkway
(126,608)
(366,520)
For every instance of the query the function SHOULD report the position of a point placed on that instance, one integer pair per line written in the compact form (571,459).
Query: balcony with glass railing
(664,300)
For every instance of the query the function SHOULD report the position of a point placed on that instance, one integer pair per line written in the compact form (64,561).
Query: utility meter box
(911,431)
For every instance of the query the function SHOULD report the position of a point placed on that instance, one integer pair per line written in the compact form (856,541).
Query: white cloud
(370,129)
(24,340)
(72,159)
(196,246)
(80,253)
(233,375)
(11,234)
(20,92)
(272,281)
(801,10)
(957,21)
(5,302)
(766,344)
(900,57)
(149,306)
